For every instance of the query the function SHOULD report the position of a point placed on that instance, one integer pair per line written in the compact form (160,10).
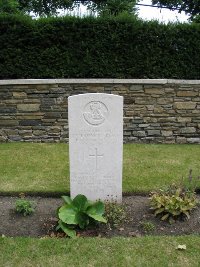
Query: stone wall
(156,111)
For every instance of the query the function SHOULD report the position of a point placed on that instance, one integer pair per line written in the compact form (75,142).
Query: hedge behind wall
(71,47)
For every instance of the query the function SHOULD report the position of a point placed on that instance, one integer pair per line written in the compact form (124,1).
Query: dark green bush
(123,47)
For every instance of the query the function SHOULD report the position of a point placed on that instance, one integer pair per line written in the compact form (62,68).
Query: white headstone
(96,145)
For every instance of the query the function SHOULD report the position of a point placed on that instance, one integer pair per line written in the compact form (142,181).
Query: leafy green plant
(79,212)
(115,214)
(173,203)
(191,183)
(147,226)
(25,207)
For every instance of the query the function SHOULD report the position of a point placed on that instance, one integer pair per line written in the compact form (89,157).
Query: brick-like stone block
(29,122)
(185,105)
(19,94)
(139,133)
(28,107)
(184,119)
(7,110)
(48,101)
(9,123)
(164,100)
(154,132)
(11,132)
(3,139)
(187,93)
(158,110)
(188,130)
(137,88)
(154,91)
(144,125)
(52,115)
(193,140)
(167,133)
(15,138)
(30,116)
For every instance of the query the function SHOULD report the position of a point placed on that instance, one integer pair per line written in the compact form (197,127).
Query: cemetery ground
(41,171)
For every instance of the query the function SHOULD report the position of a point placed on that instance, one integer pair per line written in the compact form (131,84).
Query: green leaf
(165,217)
(67,214)
(98,218)
(67,230)
(96,208)
(175,213)
(82,219)
(159,211)
(58,226)
(67,199)
(187,214)
(80,202)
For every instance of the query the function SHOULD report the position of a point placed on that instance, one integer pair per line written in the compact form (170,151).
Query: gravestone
(96,145)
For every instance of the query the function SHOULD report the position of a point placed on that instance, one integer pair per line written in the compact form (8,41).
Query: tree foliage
(112,7)
(191,7)
(45,7)
(9,6)
(50,7)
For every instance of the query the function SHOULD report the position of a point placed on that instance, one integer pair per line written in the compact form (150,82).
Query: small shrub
(115,214)
(79,212)
(24,206)
(147,226)
(173,203)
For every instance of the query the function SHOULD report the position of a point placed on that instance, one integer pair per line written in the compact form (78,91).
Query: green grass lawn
(28,167)
(115,252)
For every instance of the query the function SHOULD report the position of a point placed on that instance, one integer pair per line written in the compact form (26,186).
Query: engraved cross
(96,156)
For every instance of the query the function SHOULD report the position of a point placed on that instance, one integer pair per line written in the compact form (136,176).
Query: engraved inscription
(95,113)
(96,156)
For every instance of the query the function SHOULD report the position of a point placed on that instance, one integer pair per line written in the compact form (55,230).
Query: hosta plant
(173,203)
(79,212)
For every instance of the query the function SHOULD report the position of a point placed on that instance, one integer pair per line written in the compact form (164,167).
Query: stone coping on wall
(97,81)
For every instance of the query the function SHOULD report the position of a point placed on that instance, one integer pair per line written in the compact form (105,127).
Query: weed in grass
(191,183)
(25,207)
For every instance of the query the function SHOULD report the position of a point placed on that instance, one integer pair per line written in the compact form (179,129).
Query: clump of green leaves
(115,214)
(79,212)
(147,226)
(25,207)
(173,203)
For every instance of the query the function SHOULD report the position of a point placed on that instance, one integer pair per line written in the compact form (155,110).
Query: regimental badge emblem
(95,113)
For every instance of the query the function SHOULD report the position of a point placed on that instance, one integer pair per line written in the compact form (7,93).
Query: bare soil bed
(43,221)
